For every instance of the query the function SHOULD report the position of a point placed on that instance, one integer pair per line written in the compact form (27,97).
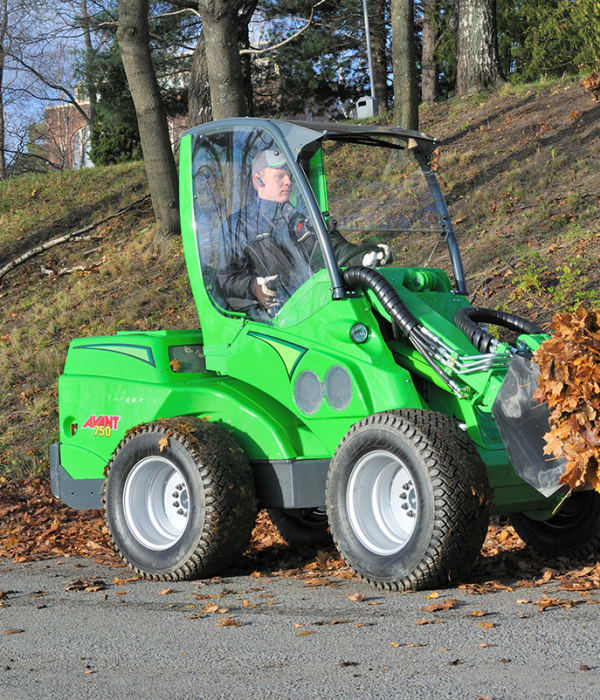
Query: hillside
(520,174)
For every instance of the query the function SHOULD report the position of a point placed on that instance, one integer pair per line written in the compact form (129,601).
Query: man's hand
(377,257)
(262,288)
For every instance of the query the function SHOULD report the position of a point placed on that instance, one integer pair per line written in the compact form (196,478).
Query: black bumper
(76,493)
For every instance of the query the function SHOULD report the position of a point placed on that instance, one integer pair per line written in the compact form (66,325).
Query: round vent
(308,393)
(338,388)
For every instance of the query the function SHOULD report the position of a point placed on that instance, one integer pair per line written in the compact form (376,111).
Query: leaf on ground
(120,581)
(304,633)
(442,606)
(13,631)
(425,621)
(486,625)
(356,597)
(478,613)
(214,608)
(166,591)
(229,622)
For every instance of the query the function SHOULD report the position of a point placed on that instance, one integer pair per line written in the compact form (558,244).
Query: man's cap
(269,158)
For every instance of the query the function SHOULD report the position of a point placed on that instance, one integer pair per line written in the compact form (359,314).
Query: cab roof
(299,133)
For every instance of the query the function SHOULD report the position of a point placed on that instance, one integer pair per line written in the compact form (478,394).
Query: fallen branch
(68,270)
(62,239)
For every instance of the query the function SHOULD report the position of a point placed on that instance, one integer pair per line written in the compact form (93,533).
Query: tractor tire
(408,500)
(301,526)
(573,531)
(179,499)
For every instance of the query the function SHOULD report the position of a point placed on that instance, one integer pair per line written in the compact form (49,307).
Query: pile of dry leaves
(569,365)
(34,525)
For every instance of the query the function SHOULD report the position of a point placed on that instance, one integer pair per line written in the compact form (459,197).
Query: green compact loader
(367,404)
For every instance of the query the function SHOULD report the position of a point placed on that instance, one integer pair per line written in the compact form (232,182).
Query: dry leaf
(356,597)
(166,591)
(163,443)
(434,594)
(395,644)
(478,613)
(447,604)
(304,633)
(229,622)
(424,621)
(485,625)
(13,631)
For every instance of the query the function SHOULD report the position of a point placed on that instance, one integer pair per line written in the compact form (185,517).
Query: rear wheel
(574,530)
(179,499)
(408,499)
(301,525)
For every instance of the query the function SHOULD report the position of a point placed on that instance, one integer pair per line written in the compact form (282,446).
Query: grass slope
(519,170)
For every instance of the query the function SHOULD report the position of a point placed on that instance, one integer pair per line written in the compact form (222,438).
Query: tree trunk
(246,66)
(406,108)
(199,109)
(89,53)
(3,32)
(219,24)
(132,35)
(429,69)
(477,63)
(378,51)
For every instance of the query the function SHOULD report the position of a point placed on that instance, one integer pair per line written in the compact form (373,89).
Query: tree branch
(62,239)
(257,52)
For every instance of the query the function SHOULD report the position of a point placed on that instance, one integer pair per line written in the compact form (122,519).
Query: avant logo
(102,422)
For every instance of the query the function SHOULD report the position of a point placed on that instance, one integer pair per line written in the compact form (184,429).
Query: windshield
(379,194)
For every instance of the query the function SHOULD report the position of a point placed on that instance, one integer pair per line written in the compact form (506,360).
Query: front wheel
(573,531)
(408,500)
(179,499)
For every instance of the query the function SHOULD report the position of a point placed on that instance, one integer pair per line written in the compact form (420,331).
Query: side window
(257,247)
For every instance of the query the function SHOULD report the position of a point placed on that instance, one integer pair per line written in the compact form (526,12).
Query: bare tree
(133,38)
(219,25)
(406,108)
(378,36)
(429,68)
(3,36)
(477,63)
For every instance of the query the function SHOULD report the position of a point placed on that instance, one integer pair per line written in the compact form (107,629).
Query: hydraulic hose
(368,278)
(466,319)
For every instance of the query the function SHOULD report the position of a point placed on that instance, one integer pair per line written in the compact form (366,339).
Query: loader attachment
(522,423)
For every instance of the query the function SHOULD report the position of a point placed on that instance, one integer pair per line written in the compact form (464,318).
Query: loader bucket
(522,423)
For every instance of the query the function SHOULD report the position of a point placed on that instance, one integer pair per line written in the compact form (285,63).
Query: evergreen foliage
(324,70)
(115,137)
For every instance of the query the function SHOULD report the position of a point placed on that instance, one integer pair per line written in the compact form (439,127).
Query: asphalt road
(287,640)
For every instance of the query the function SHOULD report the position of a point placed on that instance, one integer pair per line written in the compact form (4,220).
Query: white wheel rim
(382,502)
(156,503)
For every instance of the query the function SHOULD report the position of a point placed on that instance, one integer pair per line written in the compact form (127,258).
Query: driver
(272,243)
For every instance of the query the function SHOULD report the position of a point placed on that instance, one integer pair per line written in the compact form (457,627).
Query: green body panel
(246,377)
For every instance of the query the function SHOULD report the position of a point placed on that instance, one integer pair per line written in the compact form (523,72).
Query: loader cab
(231,224)
(253,210)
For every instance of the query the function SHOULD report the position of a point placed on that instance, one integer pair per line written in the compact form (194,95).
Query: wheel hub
(156,503)
(382,502)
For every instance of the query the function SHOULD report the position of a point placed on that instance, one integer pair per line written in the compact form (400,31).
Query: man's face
(273,184)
